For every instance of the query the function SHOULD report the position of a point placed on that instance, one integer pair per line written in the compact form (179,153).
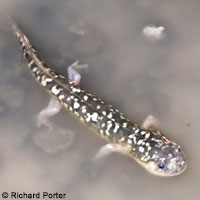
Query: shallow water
(138,73)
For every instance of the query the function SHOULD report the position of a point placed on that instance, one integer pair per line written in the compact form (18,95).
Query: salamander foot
(73,73)
(52,108)
(107,149)
(148,122)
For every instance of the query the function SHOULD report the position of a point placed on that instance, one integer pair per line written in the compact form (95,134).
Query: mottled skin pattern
(149,148)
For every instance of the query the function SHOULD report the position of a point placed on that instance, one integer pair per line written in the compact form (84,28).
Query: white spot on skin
(109,125)
(73,89)
(48,79)
(121,116)
(107,132)
(147,144)
(143,132)
(141,149)
(147,135)
(45,80)
(61,97)
(34,69)
(104,112)
(110,115)
(83,109)
(54,90)
(139,142)
(116,128)
(153,32)
(137,130)
(29,65)
(149,148)
(85,97)
(130,136)
(102,102)
(94,116)
(88,118)
(124,124)
(134,139)
(76,90)
(98,107)
(76,105)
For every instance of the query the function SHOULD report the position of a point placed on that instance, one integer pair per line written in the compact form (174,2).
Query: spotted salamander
(149,147)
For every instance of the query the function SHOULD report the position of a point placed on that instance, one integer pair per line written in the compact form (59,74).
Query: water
(135,72)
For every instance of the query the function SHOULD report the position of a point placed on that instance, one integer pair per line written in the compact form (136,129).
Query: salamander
(149,147)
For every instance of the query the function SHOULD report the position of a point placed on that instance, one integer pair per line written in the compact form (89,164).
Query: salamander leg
(107,149)
(149,121)
(52,108)
(95,166)
(73,73)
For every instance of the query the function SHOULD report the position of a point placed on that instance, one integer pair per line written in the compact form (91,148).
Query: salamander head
(169,160)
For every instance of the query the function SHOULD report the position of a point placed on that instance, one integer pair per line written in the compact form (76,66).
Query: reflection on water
(136,74)
(53,140)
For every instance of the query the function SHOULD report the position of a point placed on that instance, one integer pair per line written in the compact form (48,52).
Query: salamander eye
(177,150)
(161,165)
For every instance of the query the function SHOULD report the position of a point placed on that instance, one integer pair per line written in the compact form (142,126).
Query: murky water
(138,71)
